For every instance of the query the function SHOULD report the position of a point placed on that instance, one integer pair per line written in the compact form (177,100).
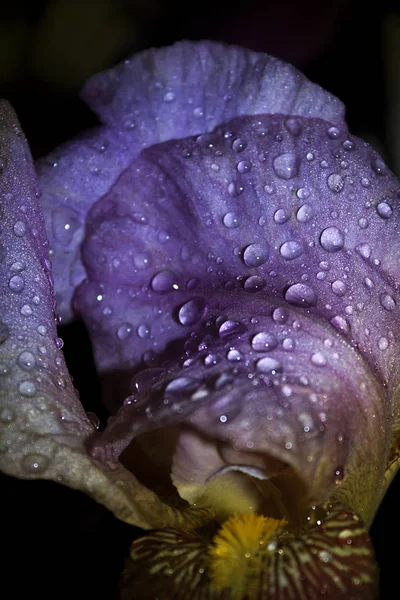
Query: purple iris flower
(234,254)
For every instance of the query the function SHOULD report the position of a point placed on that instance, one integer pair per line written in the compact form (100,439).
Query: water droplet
(339,288)
(235,189)
(286,165)
(244,166)
(288,344)
(333,133)
(16,283)
(364,250)
(318,359)
(143,331)
(290,250)
(383,343)
(379,166)
(192,311)
(280,315)
(20,228)
(254,283)
(27,388)
(165,281)
(340,324)
(269,365)
(181,384)
(300,294)
(35,463)
(141,261)
(169,97)
(255,255)
(231,328)
(234,355)
(335,182)
(7,415)
(304,213)
(124,331)
(238,145)
(332,239)
(27,361)
(302,193)
(281,216)
(387,302)
(293,126)
(384,210)
(348,145)
(231,220)
(264,342)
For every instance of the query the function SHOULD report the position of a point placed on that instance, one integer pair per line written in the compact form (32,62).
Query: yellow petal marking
(235,552)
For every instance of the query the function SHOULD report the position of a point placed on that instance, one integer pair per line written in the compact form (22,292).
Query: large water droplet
(235,188)
(264,342)
(383,343)
(124,331)
(300,294)
(27,361)
(143,331)
(20,228)
(318,359)
(332,239)
(335,182)
(280,315)
(286,165)
(340,324)
(16,283)
(290,250)
(384,210)
(238,145)
(333,133)
(231,220)
(255,255)
(231,328)
(244,166)
(27,388)
(387,302)
(254,283)
(26,310)
(165,281)
(304,213)
(269,365)
(379,166)
(339,287)
(192,311)
(181,384)
(293,126)
(281,216)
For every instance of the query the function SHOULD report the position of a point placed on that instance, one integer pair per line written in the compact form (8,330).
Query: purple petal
(44,430)
(158,95)
(292,243)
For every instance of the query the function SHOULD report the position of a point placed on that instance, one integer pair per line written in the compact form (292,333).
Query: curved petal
(43,428)
(334,559)
(157,95)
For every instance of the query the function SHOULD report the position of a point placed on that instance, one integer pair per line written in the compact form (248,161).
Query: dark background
(58,543)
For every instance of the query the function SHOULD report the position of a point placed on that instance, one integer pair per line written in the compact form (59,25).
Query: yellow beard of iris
(235,552)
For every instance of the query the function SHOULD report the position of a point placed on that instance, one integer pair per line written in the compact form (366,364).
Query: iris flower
(234,254)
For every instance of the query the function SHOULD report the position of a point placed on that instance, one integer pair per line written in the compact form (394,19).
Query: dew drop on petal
(387,302)
(288,344)
(254,283)
(379,166)
(304,213)
(165,281)
(143,331)
(255,255)
(27,388)
(124,331)
(335,182)
(19,228)
(269,365)
(27,361)
(340,324)
(231,328)
(332,239)
(264,342)
(339,287)
(281,216)
(383,343)
(192,311)
(231,220)
(280,315)
(300,294)
(318,359)
(235,189)
(290,250)
(384,210)
(16,283)
(286,165)
(26,310)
